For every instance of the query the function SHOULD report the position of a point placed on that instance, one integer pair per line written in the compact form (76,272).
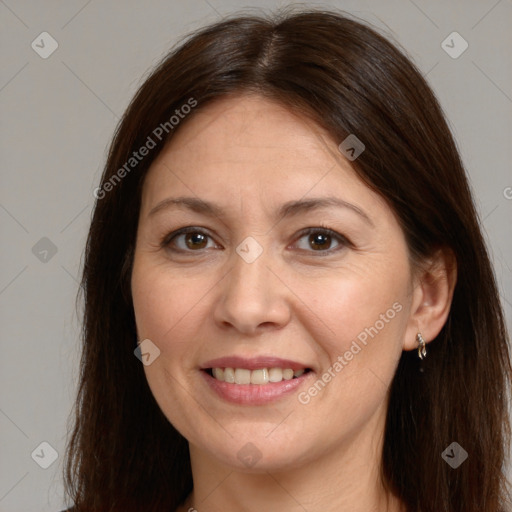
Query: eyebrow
(288,209)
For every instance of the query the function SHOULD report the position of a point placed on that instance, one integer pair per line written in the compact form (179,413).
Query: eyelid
(342,239)
(166,240)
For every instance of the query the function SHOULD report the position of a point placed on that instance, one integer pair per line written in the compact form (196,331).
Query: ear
(432,294)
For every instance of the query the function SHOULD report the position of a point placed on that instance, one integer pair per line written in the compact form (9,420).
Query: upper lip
(253,363)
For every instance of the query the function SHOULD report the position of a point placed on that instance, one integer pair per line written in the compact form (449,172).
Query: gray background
(57,117)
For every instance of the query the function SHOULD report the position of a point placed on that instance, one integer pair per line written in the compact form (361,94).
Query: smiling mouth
(259,376)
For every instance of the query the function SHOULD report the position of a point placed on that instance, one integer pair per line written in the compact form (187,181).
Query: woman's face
(248,289)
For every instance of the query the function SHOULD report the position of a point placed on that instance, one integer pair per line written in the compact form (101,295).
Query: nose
(252,297)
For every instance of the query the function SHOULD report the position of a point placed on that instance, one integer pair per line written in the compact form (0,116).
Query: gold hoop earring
(422,348)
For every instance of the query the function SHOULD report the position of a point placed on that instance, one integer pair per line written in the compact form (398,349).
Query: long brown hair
(123,454)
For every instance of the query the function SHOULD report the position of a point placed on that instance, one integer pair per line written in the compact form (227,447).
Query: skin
(250,155)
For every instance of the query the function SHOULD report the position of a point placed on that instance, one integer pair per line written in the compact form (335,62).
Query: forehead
(249,148)
(234,128)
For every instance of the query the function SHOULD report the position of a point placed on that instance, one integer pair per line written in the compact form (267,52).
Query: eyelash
(324,230)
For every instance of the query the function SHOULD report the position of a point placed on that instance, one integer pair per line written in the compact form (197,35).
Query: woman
(288,300)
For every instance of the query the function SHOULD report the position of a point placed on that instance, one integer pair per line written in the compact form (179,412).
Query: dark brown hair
(123,453)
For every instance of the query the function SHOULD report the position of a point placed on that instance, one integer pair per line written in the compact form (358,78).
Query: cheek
(165,308)
(359,305)
(161,300)
(166,305)
(366,315)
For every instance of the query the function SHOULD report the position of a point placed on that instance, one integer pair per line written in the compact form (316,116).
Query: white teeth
(288,374)
(275,375)
(218,373)
(260,376)
(242,376)
(229,375)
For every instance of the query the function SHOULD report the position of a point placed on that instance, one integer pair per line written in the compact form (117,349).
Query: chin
(255,451)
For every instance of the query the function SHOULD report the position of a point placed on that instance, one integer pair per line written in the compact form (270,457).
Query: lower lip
(254,394)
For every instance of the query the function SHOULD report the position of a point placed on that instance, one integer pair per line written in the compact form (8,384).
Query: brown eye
(321,239)
(187,240)
(195,240)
